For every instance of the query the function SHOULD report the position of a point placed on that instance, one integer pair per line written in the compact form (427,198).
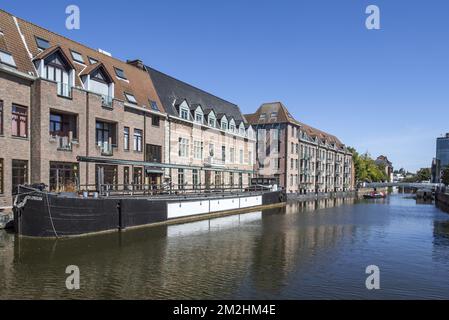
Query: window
(183,147)
(250,156)
(138,178)
(120,73)
(181,179)
(42,43)
(19,174)
(153,153)
(77,56)
(263,117)
(212,122)
(232,128)
(1,117)
(195,179)
(241,156)
(198,117)
(198,150)
(224,125)
(242,130)
(126,176)
(92,60)
(108,175)
(19,121)
(232,155)
(223,153)
(153,105)
(184,113)
(6,58)
(1,177)
(211,150)
(130,97)
(155,121)
(105,134)
(274,116)
(63,176)
(126,138)
(138,140)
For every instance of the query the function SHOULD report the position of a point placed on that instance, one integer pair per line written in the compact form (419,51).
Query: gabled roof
(284,116)
(169,89)
(49,51)
(94,67)
(137,82)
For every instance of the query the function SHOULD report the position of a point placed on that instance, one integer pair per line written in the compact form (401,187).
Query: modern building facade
(207,137)
(442,158)
(304,159)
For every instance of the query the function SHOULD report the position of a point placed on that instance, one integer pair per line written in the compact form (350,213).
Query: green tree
(424,174)
(366,169)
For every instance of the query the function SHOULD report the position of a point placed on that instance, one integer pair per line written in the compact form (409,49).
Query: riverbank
(442,201)
(332,195)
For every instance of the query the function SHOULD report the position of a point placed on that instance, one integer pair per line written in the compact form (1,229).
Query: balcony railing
(63,143)
(106,101)
(106,149)
(214,162)
(64,89)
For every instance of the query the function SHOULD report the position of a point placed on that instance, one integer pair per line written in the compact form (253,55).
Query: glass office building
(443,151)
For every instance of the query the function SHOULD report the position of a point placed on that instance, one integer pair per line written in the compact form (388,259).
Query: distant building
(388,165)
(442,158)
(304,159)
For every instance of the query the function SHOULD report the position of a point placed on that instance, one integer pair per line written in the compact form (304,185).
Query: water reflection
(312,249)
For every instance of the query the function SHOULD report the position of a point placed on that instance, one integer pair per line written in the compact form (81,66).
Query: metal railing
(106,149)
(212,161)
(64,143)
(110,190)
(106,101)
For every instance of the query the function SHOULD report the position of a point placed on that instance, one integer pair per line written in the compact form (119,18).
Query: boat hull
(47,215)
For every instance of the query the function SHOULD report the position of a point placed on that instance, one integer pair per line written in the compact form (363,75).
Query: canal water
(317,250)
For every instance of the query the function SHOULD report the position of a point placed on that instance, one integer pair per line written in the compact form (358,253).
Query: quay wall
(442,201)
(332,195)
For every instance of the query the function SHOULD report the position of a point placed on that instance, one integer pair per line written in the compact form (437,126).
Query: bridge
(405,185)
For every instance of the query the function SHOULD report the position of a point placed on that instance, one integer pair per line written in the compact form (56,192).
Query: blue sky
(383,91)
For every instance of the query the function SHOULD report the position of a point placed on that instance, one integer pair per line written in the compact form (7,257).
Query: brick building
(60,100)
(304,159)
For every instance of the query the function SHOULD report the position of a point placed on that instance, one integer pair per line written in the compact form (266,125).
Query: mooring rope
(24,201)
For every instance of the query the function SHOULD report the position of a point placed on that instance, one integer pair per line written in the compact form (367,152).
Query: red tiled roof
(138,82)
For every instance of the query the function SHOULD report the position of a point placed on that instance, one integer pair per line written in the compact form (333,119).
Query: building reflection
(284,246)
(219,258)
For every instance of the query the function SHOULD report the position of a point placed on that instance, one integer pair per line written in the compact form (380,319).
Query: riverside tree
(366,169)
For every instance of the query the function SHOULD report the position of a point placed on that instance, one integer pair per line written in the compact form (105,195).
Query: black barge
(38,213)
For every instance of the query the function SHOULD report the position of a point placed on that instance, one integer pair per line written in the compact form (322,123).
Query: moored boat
(38,213)
(375,195)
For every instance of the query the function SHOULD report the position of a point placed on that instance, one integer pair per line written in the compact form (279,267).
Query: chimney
(137,63)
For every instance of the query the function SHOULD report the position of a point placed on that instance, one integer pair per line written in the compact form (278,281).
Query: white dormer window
(7,58)
(224,125)
(199,117)
(184,113)
(232,128)
(242,129)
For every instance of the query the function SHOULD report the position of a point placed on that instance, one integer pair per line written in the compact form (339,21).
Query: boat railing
(107,190)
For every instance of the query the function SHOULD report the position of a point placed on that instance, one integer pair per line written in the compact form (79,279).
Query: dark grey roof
(170,89)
